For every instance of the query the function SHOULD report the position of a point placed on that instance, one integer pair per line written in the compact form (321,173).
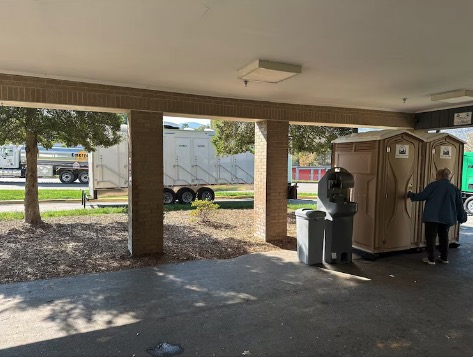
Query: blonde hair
(444,174)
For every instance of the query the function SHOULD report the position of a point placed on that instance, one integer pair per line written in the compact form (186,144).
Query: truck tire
(67,177)
(84,177)
(468,205)
(185,195)
(205,194)
(169,196)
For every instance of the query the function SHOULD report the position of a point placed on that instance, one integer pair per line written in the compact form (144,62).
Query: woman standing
(443,208)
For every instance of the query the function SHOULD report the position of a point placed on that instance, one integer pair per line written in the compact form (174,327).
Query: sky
(180,120)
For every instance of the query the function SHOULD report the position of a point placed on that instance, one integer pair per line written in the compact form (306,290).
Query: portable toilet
(440,150)
(385,165)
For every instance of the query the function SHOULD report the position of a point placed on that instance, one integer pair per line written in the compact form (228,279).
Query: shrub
(203,210)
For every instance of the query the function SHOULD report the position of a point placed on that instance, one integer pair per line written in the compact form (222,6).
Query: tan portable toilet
(385,165)
(440,150)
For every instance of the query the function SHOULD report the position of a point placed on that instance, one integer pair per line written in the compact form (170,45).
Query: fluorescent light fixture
(458,96)
(267,71)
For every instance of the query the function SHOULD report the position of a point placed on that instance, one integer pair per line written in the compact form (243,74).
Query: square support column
(271,151)
(145,185)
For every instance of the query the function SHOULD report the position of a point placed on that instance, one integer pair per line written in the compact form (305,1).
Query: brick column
(271,149)
(145,187)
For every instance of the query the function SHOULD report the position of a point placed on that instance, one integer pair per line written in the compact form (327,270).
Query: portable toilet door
(358,154)
(384,165)
(441,150)
(401,173)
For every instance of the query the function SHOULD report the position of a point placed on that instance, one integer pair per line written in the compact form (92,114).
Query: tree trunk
(32,215)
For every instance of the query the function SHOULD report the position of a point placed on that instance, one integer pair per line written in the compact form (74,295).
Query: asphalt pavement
(50,184)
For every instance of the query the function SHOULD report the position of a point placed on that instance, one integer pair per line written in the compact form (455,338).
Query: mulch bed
(88,244)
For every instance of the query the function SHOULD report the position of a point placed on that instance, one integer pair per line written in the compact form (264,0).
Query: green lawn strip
(10,195)
(10,216)
(234,194)
(294,206)
(306,195)
(237,205)
(222,205)
(19,195)
(250,194)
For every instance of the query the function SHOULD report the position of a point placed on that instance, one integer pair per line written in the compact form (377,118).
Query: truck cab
(9,157)
(10,161)
(467,181)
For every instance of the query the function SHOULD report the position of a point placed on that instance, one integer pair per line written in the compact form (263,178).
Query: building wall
(32,91)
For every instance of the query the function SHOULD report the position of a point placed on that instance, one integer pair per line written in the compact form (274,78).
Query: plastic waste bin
(310,225)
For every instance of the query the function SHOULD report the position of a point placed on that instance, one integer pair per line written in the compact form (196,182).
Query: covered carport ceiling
(361,54)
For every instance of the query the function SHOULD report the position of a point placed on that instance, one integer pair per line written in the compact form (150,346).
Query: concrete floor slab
(258,305)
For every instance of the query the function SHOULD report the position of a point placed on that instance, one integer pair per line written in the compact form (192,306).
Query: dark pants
(431,231)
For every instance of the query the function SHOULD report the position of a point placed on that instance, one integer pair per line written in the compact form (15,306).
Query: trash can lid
(308,213)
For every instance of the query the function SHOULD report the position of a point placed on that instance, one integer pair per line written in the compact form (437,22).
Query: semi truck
(191,166)
(70,164)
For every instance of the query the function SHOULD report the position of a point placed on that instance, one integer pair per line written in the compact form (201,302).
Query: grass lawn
(234,194)
(10,195)
(8,216)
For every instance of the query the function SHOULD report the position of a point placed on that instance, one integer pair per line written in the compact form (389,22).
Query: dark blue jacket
(443,202)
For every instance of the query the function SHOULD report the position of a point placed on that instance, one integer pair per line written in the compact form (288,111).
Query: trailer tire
(205,194)
(468,205)
(169,196)
(185,195)
(84,177)
(67,177)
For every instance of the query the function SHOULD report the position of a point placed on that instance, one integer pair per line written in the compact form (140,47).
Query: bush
(203,210)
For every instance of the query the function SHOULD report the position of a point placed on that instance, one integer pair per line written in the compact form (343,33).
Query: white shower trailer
(191,166)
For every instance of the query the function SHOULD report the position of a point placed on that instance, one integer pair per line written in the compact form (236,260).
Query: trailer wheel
(468,205)
(205,194)
(185,195)
(168,196)
(84,177)
(67,177)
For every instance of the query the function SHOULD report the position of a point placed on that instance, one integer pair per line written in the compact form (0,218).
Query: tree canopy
(232,137)
(51,126)
(45,127)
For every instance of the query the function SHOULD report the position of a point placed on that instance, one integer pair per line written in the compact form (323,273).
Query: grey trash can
(310,227)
